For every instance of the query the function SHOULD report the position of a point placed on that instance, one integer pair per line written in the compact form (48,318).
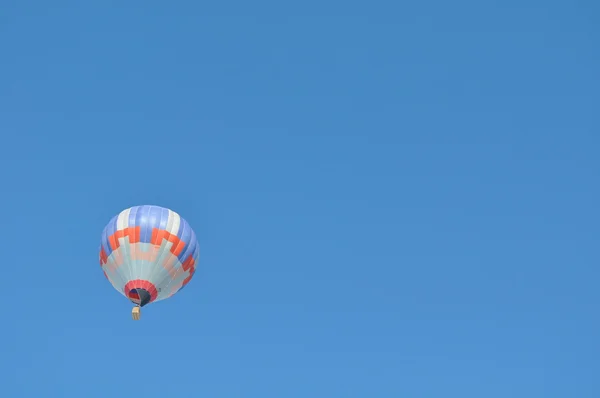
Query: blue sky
(392,199)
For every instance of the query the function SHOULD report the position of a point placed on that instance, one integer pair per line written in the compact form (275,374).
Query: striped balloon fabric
(148,253)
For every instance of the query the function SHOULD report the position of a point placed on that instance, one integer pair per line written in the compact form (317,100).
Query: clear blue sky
(393,199)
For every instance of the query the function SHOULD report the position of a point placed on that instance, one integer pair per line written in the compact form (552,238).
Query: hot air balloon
(148,253)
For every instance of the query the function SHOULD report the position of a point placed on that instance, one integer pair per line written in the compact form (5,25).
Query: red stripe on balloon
(141,284)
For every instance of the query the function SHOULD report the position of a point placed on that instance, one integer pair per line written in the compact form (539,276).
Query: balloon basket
(136,313)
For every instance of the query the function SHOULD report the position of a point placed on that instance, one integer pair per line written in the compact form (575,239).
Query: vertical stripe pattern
(150,248)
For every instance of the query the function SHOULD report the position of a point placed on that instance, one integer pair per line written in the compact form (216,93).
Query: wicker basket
(136,313)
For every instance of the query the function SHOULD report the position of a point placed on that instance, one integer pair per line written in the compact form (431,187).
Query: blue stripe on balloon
(196,252)
(132,216)
(104,242)
(152,222)
(109,230)
(182,224)
(163,219)
(146,227)
(186,234)
(143,221)
(190,247)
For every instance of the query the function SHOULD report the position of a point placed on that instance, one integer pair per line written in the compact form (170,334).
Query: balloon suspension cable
(136,313)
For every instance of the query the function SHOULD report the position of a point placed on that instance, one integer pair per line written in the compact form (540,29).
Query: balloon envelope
(148,253)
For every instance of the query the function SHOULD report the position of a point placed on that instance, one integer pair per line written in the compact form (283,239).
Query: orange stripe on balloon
(133,233)
(103,256)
